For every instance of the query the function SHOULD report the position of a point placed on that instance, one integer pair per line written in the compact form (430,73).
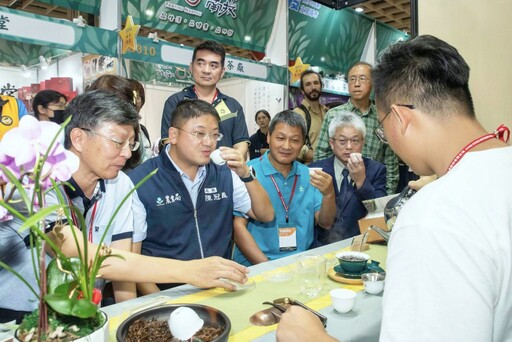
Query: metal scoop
(290,301)
(268,316)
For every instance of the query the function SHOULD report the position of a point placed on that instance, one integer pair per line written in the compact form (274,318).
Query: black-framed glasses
(379,131)
(121,145)
(202,136)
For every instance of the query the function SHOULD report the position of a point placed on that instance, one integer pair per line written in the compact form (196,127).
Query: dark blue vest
(174,229)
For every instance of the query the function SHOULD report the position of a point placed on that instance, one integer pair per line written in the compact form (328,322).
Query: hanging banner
(17,53)
(243,23)
(87,6)
(387,36)
(57,33)
(172,54)
(326,37)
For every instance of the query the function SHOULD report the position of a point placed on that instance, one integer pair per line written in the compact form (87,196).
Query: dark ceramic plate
(373,266)
(207,313)
(347,275)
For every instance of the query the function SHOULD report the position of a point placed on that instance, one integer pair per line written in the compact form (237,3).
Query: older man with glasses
(360,87)
(101,133)
(355,178)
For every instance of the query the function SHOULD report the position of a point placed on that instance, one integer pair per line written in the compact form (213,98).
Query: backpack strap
(308,123)
(145,131)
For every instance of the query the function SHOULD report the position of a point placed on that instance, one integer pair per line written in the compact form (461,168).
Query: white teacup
(312,170)
(373,282)
(216,157)
(343,300)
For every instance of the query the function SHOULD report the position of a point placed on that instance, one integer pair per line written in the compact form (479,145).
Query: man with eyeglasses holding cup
(188,204)
(355,178)
(360,87)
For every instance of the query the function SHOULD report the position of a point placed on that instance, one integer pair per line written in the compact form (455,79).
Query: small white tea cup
(216,157)
(343,300)
(312,170)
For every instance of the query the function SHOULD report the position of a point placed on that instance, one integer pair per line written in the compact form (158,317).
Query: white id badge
(287,237)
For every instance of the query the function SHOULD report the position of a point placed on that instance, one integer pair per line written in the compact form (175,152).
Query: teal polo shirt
(306,201)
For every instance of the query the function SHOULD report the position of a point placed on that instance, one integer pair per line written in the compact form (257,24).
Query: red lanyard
(502,133)
(214,97)
(77,223)
(286,207)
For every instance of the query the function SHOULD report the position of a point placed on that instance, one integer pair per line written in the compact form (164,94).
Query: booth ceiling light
(154,36)
(359,9)
(25,70)
(44,62)
(80,21)
(339,4)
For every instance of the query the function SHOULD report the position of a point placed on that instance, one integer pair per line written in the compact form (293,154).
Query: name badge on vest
(224,111)
(287,237)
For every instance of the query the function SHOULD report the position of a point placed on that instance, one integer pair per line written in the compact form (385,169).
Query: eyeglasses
(202,136)
(379,131)
(361,79)
(344,142)
(120,145)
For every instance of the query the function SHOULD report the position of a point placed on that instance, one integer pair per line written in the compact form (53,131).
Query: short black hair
(94,108)
(425,72)
(191,108)
(211,46)
(44,98)
(309,72)
(290,118)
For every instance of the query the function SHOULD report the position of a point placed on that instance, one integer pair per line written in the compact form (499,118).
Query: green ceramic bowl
(353,262)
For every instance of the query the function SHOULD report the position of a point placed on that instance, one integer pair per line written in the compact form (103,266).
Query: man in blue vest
(188,205)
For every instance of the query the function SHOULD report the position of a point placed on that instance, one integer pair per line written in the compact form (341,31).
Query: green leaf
(84,308)
(56,278)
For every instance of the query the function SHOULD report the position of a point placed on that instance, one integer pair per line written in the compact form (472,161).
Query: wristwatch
(251,177)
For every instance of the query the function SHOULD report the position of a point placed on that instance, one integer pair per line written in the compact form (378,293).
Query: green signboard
(243,23)
(87,6)
(168,59)
(36,29)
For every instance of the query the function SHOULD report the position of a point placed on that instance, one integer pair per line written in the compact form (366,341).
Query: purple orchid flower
(22,146)
(4,214)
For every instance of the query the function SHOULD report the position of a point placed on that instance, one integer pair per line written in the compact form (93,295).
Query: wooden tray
(331,273)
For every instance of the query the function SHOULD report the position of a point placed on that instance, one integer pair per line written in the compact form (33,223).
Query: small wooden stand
(359,248)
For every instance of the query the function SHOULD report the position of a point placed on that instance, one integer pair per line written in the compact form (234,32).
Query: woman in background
(127,90)
(258,140)
(49,105)
(145,141)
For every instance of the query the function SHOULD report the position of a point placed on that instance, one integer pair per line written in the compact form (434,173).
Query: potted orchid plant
(34,162)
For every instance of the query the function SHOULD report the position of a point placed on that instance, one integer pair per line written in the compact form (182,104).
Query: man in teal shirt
(299,197)
(360,87)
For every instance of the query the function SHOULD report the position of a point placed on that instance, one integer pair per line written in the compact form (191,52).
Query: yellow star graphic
(129,35)
(297,69)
